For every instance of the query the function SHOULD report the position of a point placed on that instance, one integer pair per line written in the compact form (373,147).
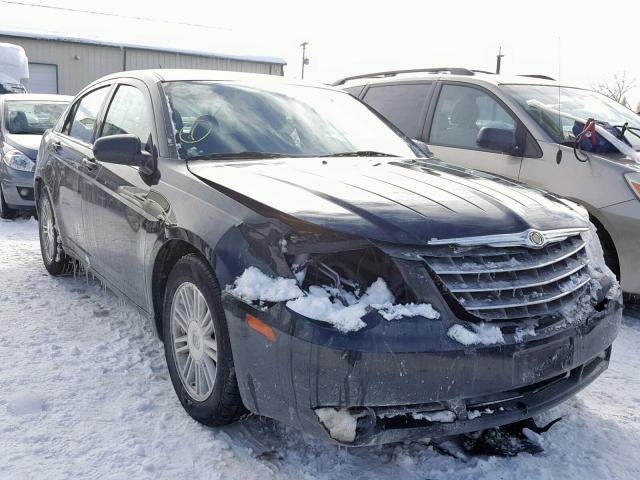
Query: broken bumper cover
(392,376)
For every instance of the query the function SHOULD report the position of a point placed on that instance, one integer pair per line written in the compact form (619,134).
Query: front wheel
(55,260)
(196,344)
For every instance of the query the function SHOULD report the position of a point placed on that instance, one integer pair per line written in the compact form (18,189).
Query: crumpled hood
(389,200)
(27,144)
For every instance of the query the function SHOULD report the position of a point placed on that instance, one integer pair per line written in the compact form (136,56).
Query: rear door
(72,153)
(459,114)
(403,104)
(120,211)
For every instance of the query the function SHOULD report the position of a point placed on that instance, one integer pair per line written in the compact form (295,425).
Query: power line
(107,14)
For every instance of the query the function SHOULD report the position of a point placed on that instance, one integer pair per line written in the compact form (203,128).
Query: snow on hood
(342,309)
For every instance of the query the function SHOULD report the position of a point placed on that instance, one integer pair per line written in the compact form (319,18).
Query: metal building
(96,45)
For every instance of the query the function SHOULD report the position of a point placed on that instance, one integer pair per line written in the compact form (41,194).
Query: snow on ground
(84,393)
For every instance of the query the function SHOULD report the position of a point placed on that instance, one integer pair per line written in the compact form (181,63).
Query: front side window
(81,123)
(460,114)
(128,114)
(216,119)
(402,104)
(31,117)
(563,111)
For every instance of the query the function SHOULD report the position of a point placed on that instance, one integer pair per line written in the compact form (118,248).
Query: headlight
(633,179)
(19,161)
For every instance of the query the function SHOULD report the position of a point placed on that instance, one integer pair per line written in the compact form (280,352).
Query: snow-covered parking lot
(84,393)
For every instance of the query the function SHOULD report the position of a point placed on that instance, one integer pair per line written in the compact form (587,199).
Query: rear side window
(460,114)
(128,114)
(81,123)
(402,104)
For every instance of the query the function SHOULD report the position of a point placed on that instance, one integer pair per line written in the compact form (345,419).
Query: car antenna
(559,153)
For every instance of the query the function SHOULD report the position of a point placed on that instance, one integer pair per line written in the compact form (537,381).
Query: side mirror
(498,139)
(123,150)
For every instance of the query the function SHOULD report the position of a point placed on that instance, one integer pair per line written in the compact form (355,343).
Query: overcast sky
(582,42)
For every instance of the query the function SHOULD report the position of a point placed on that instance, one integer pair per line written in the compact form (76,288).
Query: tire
(6,213)
(193,335)
(55,260)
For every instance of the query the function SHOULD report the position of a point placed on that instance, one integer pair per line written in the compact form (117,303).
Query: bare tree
(616,88)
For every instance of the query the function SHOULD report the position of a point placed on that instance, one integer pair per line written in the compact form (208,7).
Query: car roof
(170,75)
(37,97)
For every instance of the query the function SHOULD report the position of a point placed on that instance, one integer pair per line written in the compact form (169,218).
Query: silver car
(23,119)
(525,128)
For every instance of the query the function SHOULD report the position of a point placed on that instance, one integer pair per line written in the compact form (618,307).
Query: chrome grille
(512,282)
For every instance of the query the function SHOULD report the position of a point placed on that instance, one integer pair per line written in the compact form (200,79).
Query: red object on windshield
(589,131)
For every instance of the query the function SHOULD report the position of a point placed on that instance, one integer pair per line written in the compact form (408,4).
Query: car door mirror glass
(498,139)
(123,150)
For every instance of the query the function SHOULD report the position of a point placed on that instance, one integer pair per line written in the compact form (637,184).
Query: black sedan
(304,260)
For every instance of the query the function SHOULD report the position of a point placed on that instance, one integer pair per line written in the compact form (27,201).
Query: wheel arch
(179,244)
(604,233)
(608,245)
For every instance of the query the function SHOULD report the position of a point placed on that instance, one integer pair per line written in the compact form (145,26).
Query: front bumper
(13,183)
(623,223)
(389,371)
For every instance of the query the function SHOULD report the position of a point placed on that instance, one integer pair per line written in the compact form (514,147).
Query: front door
(118,210)
(460,112)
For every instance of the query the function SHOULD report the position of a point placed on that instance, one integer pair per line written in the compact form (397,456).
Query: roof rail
(541,77)
(391,73)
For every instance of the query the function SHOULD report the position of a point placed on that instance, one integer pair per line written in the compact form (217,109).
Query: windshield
(541,102)
(214,119)
(32,117)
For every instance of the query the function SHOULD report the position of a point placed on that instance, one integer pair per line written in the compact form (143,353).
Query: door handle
(89,164)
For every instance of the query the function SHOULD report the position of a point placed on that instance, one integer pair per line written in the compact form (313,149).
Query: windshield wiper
(360,153)
(238,155)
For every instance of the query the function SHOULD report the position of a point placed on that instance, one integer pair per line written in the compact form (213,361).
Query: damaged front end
(372,343)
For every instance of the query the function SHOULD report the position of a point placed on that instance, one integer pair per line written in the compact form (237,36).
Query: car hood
(27,144)
(389,200)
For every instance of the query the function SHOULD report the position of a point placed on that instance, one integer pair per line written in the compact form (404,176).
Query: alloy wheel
(47,230)
(194,341)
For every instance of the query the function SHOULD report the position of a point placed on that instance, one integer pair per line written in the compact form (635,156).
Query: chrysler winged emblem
(536,239)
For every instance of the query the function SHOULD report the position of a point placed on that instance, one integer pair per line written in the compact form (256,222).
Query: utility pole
(305,60)
(500,55)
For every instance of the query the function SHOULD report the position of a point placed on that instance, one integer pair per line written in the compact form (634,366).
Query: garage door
(43,78)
